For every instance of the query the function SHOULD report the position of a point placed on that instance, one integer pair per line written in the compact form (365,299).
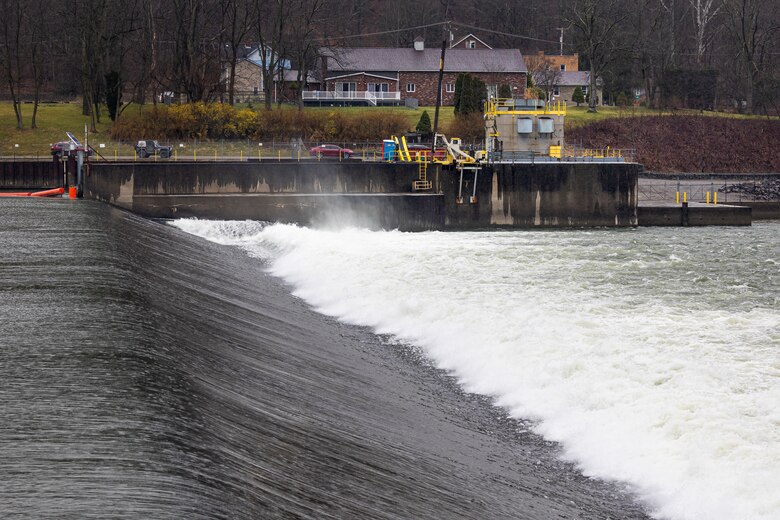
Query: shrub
(577,96)
(469,127)
(424,125)
(221,121)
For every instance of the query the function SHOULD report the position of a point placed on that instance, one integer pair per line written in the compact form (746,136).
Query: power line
(391,31)
(457,24)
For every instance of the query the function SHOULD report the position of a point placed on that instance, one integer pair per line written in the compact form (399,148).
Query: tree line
(703,53)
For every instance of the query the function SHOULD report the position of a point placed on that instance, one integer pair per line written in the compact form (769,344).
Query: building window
(450,87)
(584,90)
(563,66)
(410,87)
(471,44)
(255,90)
(378,87)
(346,86)
(556,91)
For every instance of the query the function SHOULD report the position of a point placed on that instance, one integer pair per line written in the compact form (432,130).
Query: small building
(569,81)
(515,128)
(249,78)
(397,76)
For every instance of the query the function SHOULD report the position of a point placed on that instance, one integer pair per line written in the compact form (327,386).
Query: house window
(584,89)
(556,91)
(563,66)
(255,90)
(450,87)
(346,86)
(411,87)
(471,44)
(378,87)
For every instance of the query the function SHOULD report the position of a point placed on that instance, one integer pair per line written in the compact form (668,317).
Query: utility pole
(444,40)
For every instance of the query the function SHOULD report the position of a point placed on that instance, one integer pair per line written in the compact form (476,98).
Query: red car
(62,149)
(331,150)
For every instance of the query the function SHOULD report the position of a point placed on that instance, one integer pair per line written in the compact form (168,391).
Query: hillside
(685,143)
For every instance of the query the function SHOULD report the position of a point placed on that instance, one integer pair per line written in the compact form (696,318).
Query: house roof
(574,78)
(291,75)
(371,59)
(470,35)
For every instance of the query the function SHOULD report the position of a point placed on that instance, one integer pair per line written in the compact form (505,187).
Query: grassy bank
(687,143)
(707,142)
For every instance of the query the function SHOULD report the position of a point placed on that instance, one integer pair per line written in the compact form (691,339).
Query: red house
(397,76)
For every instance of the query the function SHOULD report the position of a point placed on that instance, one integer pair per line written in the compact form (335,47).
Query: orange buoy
(73,192)
(48,193)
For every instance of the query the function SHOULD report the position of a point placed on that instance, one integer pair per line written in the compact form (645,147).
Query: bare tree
(704,12)
(545,74)
(303,42)
(236,26)
(752,27)
(271,17)
(12,28)
(596,21)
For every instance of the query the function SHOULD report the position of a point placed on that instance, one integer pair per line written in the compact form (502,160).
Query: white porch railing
(371,98)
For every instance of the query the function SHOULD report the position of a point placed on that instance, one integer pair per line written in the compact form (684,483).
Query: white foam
(652,358)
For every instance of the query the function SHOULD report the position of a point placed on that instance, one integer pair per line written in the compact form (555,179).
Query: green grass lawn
(57,118)
(53,121)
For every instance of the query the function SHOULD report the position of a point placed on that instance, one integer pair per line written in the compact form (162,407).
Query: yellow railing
(514,106)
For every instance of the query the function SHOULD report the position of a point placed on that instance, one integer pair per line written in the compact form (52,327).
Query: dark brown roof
(367,59)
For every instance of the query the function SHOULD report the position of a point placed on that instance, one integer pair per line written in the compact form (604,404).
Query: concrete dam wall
(374,195)
(30,175)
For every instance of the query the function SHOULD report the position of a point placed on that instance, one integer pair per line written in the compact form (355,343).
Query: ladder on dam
(422,183)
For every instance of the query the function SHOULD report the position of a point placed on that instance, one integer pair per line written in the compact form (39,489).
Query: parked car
(331,150)
(62,149)
(423,150)
(150,147)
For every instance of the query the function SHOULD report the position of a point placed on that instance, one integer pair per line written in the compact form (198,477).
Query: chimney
(419,44)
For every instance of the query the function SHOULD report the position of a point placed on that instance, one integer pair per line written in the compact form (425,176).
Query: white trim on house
(331,78)
(469,35)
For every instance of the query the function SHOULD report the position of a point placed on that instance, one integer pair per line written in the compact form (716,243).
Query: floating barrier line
(44,193)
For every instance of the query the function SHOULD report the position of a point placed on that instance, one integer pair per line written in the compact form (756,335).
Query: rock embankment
(767,189)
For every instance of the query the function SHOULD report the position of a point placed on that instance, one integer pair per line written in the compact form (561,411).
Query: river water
(149,373)
(651,355)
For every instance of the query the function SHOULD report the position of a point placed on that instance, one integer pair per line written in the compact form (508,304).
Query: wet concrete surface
(150,374)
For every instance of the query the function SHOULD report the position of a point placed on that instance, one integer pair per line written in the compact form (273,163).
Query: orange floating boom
(48,193)
(44,193)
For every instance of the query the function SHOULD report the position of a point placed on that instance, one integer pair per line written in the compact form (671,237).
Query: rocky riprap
(767,189)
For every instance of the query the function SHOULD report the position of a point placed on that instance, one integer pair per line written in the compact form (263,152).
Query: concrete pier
(374,195)
(696,215)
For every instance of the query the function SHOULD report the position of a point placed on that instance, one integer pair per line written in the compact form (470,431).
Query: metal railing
(370,97)
(728,190)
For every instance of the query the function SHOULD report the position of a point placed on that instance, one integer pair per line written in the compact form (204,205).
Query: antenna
(560,39)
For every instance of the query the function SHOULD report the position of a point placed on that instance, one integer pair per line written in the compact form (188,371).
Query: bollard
(685,197)
(708,197)
(73,192)
(195,155)
(280,156)
(241,155)
(677,197)
(714,198)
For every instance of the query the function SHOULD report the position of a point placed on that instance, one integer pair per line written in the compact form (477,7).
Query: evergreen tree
(578,97)
(458,93)
(424,125)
